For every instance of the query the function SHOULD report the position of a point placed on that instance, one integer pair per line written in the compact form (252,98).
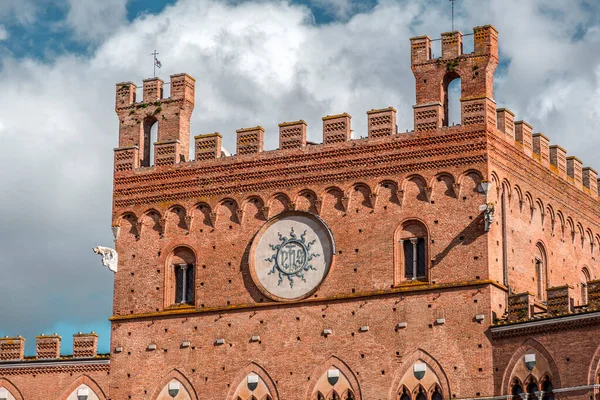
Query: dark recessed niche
(435,222)
(158,254)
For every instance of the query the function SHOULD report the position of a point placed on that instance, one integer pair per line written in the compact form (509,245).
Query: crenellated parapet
(12,348)
(85,345)
(475,70)
(553,157)
(136,120)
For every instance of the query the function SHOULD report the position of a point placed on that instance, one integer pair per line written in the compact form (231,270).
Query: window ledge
(411,282)
(180,307)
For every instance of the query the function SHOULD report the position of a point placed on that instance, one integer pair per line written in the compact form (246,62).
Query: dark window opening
(184,284)
(414,258)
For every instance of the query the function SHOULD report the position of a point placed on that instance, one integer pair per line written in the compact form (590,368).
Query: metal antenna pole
(452,1)
(154,62)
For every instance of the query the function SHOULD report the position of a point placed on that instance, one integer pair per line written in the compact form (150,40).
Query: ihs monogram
(292,257)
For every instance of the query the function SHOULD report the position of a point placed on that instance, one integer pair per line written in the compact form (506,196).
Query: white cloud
(3,33)
(255,63)
(94,20)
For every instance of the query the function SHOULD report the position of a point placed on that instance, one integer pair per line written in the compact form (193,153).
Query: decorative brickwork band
(166,153)
(428,117)
(478,111)
(452,44)
(506,122)
(292,135)
(250,140)
(520,306)
(336,128)
(127,158)
(382,123)
(153,90)
(541,148)
(560,300)
(85,345)
(574,171)
(12,348)
(47,346)
(590,180)
(558,160)
(593,294)
(523,135)
(208,147)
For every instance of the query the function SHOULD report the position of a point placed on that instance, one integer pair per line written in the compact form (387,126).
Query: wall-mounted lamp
(173,388)
(484,187)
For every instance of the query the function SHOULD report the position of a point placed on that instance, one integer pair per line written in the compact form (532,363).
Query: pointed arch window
(517,388)
(421,394)
(404,394)
(436,395)
(548,389)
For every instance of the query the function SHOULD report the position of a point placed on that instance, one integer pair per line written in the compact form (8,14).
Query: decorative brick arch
(594,368)
(334,362)
(529,344)
(261,372)
(5,383)
(175,374)
(83,380)
(431,362)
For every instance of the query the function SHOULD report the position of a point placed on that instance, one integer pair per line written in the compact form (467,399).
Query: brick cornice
(357,159)
(555,324)
(526,168)
(402,289)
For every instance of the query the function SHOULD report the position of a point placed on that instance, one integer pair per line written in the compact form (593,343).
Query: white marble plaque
(291,256)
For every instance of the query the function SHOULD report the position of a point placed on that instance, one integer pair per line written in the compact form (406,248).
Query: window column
(414,242)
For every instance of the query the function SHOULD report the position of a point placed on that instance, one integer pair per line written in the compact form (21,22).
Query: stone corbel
(542,216)
(213,218)
(163,224)
(531,212)
(292,206)
(552,222)
(456,188)
(138,229)
(373,199)
(428,192)
(265,212)
(319,205)
(188,223)
(400,196)
(345,203)
(239,213)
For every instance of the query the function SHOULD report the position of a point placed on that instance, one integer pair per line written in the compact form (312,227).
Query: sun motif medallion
(291,255)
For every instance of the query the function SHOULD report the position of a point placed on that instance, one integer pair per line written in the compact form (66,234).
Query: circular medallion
(291,255)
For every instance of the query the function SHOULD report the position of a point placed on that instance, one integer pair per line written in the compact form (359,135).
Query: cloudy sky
(255,62)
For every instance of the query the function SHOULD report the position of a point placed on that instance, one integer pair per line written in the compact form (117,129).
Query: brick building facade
(446,262)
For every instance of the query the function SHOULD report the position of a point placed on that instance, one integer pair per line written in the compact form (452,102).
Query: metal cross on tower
(452,2)
(156,62)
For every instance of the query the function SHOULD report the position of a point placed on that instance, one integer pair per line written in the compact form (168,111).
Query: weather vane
(156,62)
(452,2)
